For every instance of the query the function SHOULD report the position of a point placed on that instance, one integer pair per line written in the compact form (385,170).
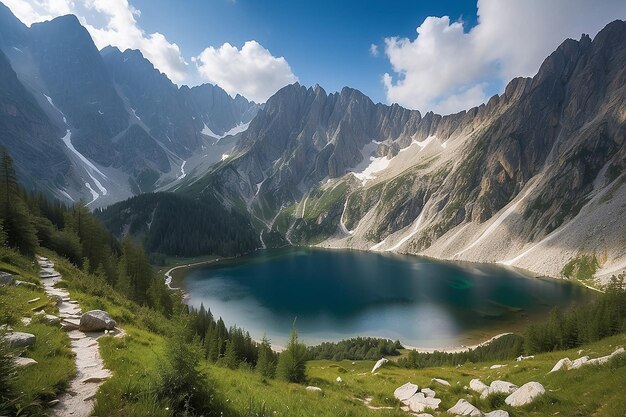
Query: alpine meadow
(312,209)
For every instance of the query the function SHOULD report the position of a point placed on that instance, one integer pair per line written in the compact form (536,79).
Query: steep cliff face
(123,127)
(301,137)
(495,183)
(28,135)
(79,84)
(179,118)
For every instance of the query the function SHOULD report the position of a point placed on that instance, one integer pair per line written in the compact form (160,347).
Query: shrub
(292,361)
(182,383)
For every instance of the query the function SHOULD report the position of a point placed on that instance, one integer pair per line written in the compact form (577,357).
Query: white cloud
(251,71)
(117,26)
(38,10)
(446,69)
(374,50)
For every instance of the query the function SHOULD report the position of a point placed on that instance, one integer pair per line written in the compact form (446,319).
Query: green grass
(38,384)
(591,391)
(136,359)
(582,267)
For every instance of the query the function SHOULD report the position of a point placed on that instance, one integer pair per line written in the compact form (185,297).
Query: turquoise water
(339,294)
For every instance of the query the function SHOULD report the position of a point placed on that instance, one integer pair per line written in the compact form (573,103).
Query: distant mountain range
(534,178)
(101,125)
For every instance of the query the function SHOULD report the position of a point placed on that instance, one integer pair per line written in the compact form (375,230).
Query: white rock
(96,321)
(339,379)
(564,363)
(48,318)
(504,387)
(604,359)
(24,362)
(20,339)
(405,392)
(496,366)
(378,364)
(313,389)
(525,394)
(497,413)
(478,386)
(428,392)
(423,415)
(579,362)
(419,402)
(441,381)
(464,408)
(96,377)
(523,358)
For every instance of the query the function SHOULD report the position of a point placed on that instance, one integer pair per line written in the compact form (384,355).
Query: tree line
(603,317)
(358,348)
(176,225)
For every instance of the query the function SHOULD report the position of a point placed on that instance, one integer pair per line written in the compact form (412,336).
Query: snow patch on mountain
(241,127)
(376,165)
(182,171)
(55,107)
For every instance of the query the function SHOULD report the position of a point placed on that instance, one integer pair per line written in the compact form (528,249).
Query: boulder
(378,364)
(48,318)
(504,387)
(464,408)
(478,386)
(6,278)
(525,394)
(69,325)
(604,359)
(339,379)
(24,362)
(419,402)
(20,339)
(496,366)
(523,358)
(428,392)
(405,392)
(314,389)
(579,362)
(96,321)
(564,363)
(441,381)
(497,413)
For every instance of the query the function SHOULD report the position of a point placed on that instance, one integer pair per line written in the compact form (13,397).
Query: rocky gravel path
(78,400)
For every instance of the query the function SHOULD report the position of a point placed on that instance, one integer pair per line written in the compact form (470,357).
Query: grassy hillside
(136,362)
(38,384)
(139,359)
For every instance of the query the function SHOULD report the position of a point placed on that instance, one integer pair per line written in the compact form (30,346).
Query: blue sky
(325,42)
(444,56)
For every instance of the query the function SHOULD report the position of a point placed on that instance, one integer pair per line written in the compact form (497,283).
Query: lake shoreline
(470,339)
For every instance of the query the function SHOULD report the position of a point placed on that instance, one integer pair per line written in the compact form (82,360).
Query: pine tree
(17,221)
(3,235)
(230,356)
(292,361)
(265,364)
